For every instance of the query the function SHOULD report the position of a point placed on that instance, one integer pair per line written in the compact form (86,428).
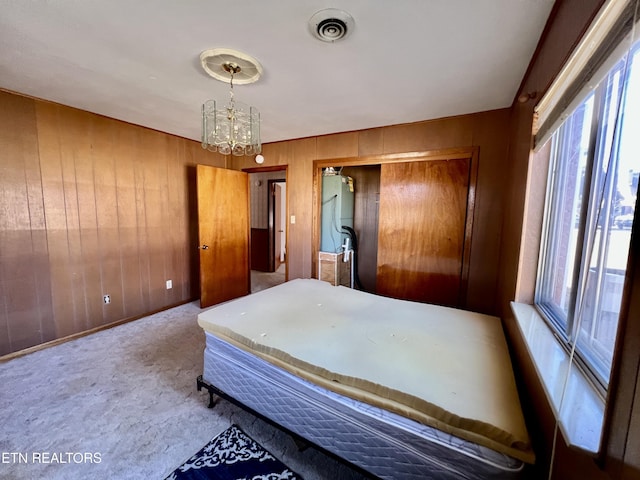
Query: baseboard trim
(68,338)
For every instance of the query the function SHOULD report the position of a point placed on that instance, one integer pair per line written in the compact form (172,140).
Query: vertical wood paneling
(50,146)
(16,257)
(154,178)
(129,257)
(338,145)
(104,166)
(166,245)
(259,192)
(38,265)
(300,195)
(88,206)
(78,134)
(163,238)
(5,343)
(489,131)
(631,470)
(176,182)
(68,152)
(74,141)
(142,236)
(371,142)
(180,171)
(258,188)
(18,301)
(430,135)
(25,301)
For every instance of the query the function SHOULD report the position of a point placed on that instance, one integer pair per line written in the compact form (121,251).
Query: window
(589,209)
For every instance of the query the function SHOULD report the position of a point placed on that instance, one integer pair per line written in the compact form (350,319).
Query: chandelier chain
(231,84)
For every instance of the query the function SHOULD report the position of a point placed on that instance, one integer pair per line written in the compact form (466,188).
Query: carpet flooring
(262,280)
(122,404)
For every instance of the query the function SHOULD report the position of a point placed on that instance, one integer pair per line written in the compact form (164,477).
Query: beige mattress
(441,366)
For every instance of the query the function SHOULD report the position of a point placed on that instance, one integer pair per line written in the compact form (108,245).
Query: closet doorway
(423,213)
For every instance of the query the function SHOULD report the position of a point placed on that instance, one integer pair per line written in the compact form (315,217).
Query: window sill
(580,414)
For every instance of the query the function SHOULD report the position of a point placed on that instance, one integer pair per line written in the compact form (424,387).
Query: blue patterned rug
(233,455)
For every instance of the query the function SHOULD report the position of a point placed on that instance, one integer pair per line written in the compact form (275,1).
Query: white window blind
(605,42)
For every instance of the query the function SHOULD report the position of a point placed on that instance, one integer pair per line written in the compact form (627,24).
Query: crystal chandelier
(233,128)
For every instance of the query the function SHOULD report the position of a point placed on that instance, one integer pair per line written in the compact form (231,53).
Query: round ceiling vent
(331,24)
(221,62)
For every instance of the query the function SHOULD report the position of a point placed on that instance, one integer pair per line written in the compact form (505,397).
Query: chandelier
(231,128)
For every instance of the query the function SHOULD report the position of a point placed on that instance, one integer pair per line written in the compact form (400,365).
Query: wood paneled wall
(621,460)
(487,130)
(95,206)
(259,193)
(90,206)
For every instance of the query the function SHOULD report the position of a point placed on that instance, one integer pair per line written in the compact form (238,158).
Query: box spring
(377,441)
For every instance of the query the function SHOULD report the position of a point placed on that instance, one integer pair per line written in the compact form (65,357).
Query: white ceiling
(138,60)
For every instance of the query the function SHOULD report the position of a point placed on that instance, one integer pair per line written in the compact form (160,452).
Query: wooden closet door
(421,231)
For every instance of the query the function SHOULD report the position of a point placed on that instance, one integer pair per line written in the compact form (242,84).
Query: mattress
(441,368)
(378,441)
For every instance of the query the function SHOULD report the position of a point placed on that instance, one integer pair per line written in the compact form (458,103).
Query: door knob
(204,247)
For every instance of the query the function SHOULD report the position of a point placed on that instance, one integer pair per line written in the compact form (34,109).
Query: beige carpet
(262,280)
(123,404)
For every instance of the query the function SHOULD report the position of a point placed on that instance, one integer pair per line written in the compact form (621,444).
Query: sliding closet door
(421,231)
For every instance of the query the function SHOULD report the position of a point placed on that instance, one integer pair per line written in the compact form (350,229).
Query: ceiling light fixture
(233,128)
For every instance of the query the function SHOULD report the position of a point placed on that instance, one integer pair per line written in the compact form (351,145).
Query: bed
(399,389)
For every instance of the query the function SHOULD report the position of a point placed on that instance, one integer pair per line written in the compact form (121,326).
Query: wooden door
(223,234)
(421,230)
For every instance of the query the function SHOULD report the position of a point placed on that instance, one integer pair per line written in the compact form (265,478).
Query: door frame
(285,170)
(470,153)
(271,220)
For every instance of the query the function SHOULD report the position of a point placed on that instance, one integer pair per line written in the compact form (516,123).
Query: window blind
(606,41)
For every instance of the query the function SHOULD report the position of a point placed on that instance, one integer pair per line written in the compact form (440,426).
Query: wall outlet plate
(106,299)
(169,284)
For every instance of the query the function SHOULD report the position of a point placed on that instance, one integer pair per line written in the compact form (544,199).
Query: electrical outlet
(106,299)
(169,284)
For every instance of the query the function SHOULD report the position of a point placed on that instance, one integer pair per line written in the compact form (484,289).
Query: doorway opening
(362,183)
(268,194)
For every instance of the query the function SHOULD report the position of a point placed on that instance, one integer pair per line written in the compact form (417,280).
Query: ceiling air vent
(331,24)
